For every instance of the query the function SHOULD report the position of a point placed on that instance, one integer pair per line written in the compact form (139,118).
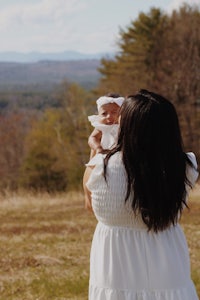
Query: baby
(104,135)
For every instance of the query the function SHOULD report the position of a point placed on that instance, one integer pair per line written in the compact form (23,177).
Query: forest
(43,133)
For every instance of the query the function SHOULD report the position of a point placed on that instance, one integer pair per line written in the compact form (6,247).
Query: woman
(138,193)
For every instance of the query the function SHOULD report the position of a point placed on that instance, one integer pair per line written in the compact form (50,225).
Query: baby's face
(109,113)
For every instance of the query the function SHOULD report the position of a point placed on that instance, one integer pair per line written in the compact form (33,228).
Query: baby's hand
(101,150)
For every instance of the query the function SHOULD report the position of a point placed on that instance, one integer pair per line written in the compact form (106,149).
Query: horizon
(39,56)
(52,52)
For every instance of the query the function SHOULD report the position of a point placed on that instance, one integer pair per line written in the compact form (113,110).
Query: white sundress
(127,262)
(108,140)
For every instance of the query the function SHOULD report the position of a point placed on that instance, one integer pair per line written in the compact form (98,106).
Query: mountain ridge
(37,56)
(46,74)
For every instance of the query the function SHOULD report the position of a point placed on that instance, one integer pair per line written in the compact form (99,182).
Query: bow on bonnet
(106,100)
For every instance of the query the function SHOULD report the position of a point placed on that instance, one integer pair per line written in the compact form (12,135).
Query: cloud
(175,4)
(45,11)
(54,25)
(58,25)
(39,25)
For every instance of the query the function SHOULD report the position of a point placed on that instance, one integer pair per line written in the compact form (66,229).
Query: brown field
(45,243)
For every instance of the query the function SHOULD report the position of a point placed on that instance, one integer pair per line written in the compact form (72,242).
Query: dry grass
(191,224)
(45,242)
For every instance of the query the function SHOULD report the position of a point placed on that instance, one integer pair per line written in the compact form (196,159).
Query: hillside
(46,74)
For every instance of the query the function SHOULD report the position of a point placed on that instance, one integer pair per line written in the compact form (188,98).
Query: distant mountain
(59,56)
(46,74)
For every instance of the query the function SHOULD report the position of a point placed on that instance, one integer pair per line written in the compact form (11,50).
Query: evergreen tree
(161,52)
(136,63)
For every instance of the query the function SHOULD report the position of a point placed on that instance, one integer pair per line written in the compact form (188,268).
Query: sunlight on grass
(45,245)
(191,225)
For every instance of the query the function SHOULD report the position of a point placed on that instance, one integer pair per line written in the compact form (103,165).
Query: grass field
(45,243)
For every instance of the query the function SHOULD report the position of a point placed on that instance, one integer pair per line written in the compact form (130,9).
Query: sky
(86,26)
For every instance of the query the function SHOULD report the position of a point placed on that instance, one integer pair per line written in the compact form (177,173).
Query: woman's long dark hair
(153,156)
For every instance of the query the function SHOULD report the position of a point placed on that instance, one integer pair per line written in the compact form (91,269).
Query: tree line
(46,149)
(43,142)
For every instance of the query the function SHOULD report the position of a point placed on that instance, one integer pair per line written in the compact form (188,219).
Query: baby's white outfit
(108,139)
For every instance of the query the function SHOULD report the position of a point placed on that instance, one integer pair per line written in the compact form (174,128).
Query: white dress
(127,262)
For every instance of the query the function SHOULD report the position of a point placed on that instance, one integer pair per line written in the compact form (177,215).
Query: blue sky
(87,26)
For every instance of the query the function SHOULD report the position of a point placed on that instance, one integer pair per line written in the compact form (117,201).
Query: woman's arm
(87,193)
